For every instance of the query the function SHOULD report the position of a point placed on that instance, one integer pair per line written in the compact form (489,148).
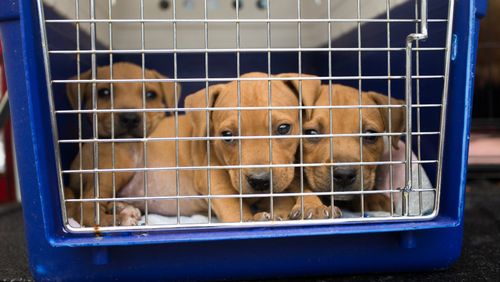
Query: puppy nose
(344,176)
(259,181)
(130,120)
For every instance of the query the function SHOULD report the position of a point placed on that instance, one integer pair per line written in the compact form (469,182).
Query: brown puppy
(347,149)
(126,96)
(224,152)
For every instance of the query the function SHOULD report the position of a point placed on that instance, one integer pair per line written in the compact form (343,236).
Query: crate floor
(479,261)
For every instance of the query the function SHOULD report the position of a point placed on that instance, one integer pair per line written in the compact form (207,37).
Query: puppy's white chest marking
(137,180)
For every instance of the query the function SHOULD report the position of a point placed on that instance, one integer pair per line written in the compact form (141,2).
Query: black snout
(259,181)
(344,176)
(130,120)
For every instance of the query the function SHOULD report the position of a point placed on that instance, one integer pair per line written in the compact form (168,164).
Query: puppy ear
(199,100)
(198,121)
(397,115)
(72,90)
(168,90)
(311,89)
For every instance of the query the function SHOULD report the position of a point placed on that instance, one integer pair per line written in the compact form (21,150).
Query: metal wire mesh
(94,178)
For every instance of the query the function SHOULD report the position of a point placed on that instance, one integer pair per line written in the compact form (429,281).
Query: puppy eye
(370,139)
(311,132)
(103,92)
(227,134)
(283,129)
(150,95)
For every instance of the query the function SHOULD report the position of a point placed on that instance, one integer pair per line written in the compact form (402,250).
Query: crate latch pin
(422,35)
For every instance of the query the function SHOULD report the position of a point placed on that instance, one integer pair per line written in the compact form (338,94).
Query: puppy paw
(129,216)
(265,216)
(119,206)
(314,212)
(261,216)
(336,211)
(280,217)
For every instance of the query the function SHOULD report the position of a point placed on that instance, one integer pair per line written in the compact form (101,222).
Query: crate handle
(422,35)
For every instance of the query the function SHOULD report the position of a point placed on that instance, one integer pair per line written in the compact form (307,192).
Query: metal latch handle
(422,35)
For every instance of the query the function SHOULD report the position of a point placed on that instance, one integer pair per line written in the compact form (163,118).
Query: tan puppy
(225,152)
(347,149)
(253,151)
(126,124)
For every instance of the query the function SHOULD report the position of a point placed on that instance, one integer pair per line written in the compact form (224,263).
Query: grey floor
(480,260)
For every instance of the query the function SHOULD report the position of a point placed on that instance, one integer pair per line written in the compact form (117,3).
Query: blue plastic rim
(225,253)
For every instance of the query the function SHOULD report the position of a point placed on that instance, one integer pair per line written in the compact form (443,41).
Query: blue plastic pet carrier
(422,52)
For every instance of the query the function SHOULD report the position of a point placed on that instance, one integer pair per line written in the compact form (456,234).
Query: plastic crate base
(251,259)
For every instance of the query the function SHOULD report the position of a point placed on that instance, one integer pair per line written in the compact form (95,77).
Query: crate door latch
(422,35)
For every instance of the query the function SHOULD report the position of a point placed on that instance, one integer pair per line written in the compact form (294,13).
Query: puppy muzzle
(129,120)
(129,124)
(344,177)
(259,181)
